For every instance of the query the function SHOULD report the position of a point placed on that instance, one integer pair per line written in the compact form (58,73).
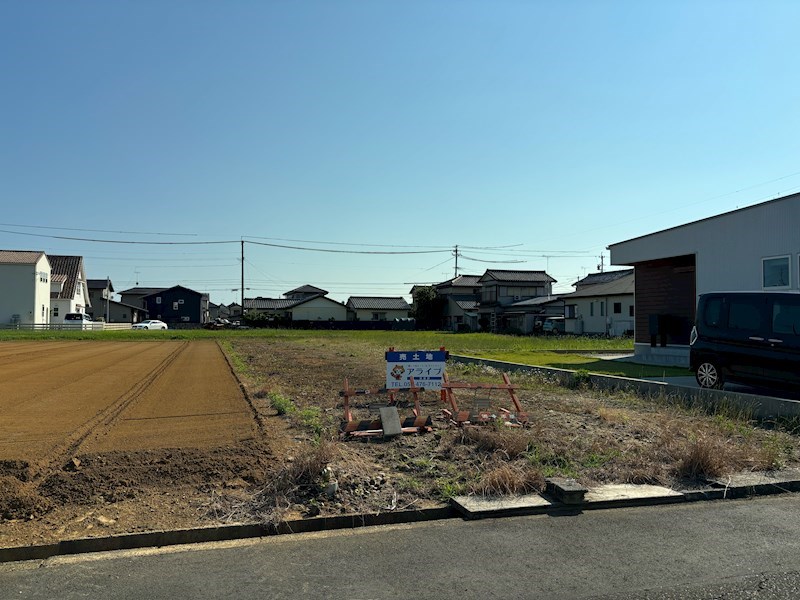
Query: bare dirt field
(98,423)
(101,437)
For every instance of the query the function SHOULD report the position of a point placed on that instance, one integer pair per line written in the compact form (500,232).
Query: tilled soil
(161,424)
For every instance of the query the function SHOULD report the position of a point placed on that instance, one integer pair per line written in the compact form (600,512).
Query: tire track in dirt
(197,403)
(43,409)
(105,419)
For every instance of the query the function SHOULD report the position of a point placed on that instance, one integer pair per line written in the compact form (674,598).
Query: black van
(746,337)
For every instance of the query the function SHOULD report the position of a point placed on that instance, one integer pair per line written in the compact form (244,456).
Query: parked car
(151,324)
(553,325)
(78,321)
(746,337)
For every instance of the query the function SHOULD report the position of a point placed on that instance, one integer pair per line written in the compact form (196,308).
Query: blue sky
(538,132)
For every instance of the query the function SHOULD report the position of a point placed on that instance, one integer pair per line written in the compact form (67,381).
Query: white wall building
(25,277)
(749,249)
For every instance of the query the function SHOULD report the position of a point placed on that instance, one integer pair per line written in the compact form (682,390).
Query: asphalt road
(725,549)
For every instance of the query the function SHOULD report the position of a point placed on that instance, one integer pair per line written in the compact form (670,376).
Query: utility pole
(108,299)
(242,278)
(601,265)
(455,253)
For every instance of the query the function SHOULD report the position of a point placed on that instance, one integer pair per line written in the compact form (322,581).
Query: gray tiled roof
(269,303)
(461,281)
(71,266)
(537,301)
(467,304)
(19,257)
(622,285)
(377,303)
(605,277)
(142,291)
(517,276)
(307,289)
(99,284)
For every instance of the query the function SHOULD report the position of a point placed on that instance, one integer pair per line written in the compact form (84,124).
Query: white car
(152,324)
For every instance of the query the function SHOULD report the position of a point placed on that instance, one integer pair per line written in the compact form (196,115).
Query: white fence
(96,326)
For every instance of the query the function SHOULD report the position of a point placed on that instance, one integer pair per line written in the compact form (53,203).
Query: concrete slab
(478,507)
(631,494)
(390,420)
(748,484)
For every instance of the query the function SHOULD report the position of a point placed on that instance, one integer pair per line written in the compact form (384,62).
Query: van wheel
(709,376)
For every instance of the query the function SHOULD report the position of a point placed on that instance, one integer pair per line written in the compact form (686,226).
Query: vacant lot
(102,436)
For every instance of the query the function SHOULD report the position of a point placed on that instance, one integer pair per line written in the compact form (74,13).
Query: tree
(428,307)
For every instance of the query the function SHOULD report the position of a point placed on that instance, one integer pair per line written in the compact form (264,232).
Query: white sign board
(425,366)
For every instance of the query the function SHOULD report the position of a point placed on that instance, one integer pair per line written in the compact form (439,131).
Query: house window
(630,310)
(185,319)
(602,309)
(158,299)
(569,313)
(180,301)
(776,274)
(617,308)
(379,316)
(591,309)
(55,311)
(124,316)
(174,306)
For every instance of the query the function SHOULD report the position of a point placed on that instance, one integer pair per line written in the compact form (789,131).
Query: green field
(563,352)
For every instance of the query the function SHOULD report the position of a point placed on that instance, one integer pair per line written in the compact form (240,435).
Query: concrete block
(566,490)
(390,421)
(627,493)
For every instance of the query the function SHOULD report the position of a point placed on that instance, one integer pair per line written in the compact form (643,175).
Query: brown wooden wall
(666,287)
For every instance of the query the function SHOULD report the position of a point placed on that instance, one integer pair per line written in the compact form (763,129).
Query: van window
(73,317)
(712,314)
(745,313)
(786,317)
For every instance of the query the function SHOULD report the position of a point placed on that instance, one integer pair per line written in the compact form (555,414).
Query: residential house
(604,306)
(304,292)
(527,316)
(461,296)
(177,305)
(601,277)
(750,249)
(311,307)
(103,305)
(26,287)
(69,292)
(135,296)
(500,289)
(377,308)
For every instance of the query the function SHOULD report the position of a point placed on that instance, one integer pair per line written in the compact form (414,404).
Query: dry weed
(507,480)
(511,442)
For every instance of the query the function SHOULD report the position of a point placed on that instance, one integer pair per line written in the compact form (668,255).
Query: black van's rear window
(786,316)
(72,317)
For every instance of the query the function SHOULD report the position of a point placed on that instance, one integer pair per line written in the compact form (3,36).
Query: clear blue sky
(555,127)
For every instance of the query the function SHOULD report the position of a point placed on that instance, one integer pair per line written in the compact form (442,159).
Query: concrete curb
(539,504)
(156,539)
(760,407)
(545,504)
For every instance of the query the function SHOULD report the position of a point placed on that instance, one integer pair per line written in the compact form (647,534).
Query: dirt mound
(19,500)
(19,469)
(116,476)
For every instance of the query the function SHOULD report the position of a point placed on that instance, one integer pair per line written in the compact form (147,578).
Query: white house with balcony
(69,289)
(25,277)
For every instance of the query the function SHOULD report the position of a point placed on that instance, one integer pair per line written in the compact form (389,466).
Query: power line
(94,230)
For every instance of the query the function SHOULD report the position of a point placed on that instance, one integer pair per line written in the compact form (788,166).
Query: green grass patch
(282,404)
